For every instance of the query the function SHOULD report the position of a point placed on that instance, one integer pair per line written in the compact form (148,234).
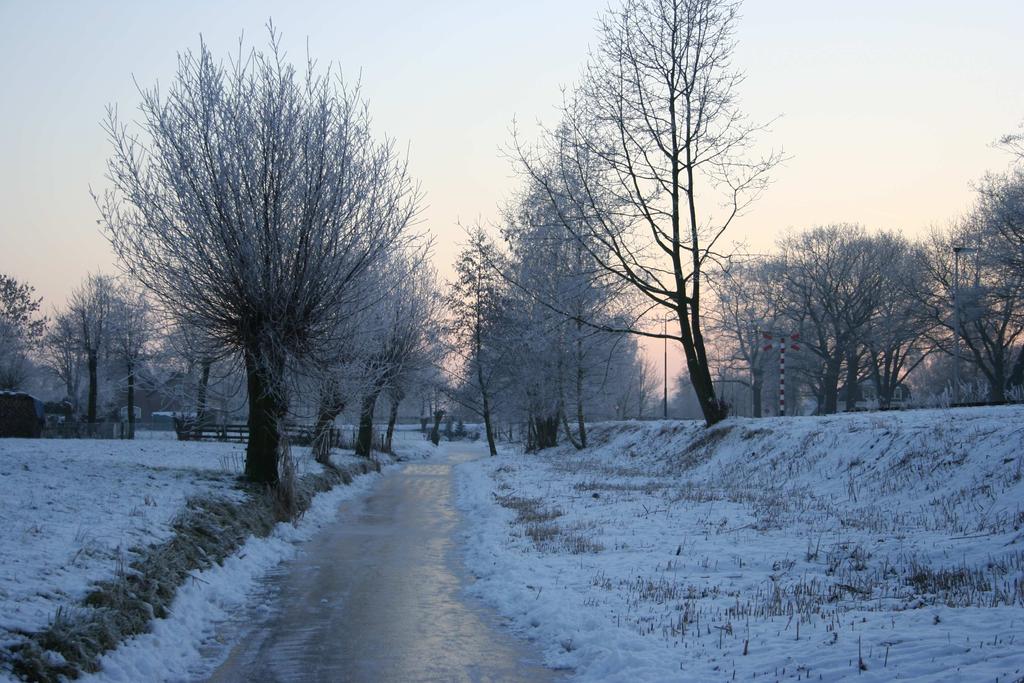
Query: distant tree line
(880,314)
(272,263)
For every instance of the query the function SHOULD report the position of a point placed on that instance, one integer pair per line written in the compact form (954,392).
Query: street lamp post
(957,250)
(664,384)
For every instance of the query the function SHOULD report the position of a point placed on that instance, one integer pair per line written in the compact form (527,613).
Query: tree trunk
(392,419)
(561,410)
(711,408)
(488,428)
(830,388)
(997,388)
(364,439)
(568,430)
(267,409)
(204,382)
(93,388)
(580,422)
(531,438)
(484,398)
(329,408)
(435,432)
(322,436)
(131,400)
(545,430)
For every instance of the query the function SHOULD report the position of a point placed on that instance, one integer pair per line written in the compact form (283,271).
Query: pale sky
(888,108)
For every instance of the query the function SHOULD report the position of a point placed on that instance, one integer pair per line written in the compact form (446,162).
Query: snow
(177,647)
(774,549)
(73,510)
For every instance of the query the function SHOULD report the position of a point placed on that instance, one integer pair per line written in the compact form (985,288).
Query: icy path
(378,597)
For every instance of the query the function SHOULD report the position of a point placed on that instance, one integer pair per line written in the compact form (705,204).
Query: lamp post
(664,384)
(957,250)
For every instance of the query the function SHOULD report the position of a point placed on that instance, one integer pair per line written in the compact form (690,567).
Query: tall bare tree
(250,200)
(548,264)
(896,336)
(91,305)
(131,336)
(833,278)
(748,303)
(62,353)
(652,142)
(990,296)
(403,343)
(476,311)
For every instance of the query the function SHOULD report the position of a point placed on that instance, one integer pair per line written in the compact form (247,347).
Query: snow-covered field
(73,511)
(874,547)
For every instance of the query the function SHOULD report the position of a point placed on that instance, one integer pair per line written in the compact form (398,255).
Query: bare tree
(91,305)
(748,303)
(131,336)
(476,309)
(250,204)
(204,353)
(896,336)
(337,383)
(991,298)
(404,340)
(62,353)
(552,264)
(651,141)
(1001,206)
(833,277)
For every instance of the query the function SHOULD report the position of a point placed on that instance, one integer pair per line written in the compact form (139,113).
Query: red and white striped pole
(782,377)
(783,342)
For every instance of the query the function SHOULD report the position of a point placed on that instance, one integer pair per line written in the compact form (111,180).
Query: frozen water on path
(378,597)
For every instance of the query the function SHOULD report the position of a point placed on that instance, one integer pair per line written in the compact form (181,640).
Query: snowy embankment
(874,546)
(99,535)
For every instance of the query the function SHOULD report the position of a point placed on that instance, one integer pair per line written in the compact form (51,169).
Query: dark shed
(21,415)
